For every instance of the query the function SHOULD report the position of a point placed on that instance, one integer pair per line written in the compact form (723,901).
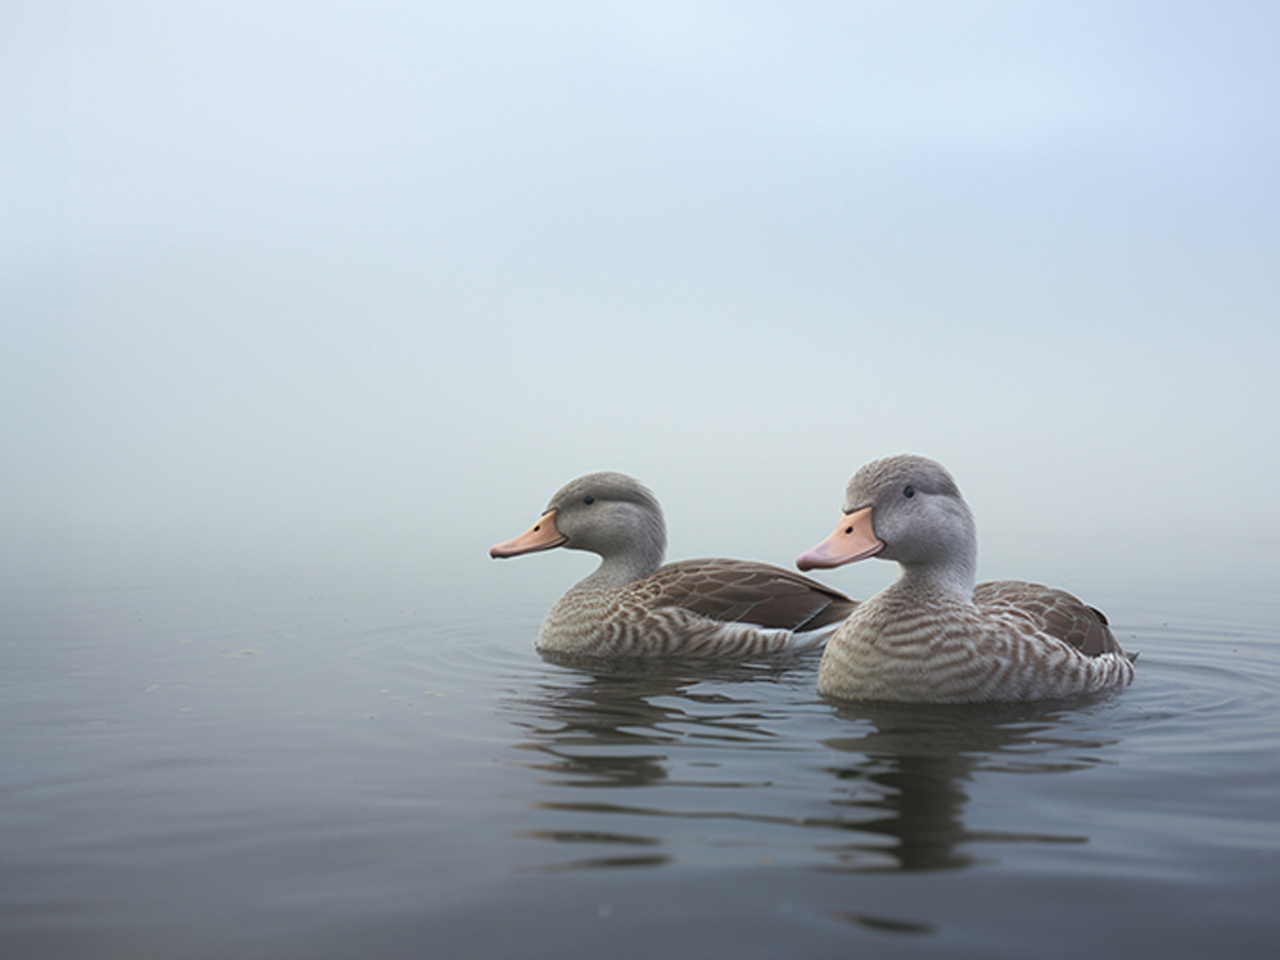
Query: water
(267,768)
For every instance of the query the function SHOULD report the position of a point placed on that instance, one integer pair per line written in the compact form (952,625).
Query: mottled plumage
(932,636)
(633,607)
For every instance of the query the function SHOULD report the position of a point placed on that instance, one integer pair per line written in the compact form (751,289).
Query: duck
(936,636)
(634,606)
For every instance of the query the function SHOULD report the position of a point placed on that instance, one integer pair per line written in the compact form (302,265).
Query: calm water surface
(271,770)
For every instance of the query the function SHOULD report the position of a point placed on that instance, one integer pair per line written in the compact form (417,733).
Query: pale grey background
(360,285)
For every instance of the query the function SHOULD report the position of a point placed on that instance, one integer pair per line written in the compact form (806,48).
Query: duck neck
(619,569)
(953,580)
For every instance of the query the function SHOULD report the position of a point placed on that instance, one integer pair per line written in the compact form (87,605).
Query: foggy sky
(372,282)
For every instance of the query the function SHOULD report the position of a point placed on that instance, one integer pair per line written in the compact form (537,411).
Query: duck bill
(853,539)
(543,535)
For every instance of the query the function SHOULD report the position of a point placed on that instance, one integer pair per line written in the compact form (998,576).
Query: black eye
(908,491)
(588,499)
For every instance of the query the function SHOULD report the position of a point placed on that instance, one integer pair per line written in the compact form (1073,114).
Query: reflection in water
(905,783)
(625,708)
(895,803)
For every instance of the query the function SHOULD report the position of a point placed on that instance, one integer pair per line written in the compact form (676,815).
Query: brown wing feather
(1055,612)
(743,591)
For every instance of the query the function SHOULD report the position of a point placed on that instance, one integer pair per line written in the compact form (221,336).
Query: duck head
(609,514)
(905,508)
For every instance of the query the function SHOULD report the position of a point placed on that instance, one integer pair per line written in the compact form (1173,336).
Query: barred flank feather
(930,649)
(696,608)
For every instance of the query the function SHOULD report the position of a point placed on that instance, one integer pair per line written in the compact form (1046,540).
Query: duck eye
(588,500)
(908,491)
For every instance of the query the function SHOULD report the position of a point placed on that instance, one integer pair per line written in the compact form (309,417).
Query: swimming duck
(932,636)
(632,606)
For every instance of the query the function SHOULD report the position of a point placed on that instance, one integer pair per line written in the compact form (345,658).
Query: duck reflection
(895,803)
(903,790)
(634,709)
(616,725)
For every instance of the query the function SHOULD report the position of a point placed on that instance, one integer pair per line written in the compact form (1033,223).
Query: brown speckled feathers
(1055,613)
(741,591)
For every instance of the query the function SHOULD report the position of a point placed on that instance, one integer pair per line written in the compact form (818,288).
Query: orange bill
(543,535)
(853,539)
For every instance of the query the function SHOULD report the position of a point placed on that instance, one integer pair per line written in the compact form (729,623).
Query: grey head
(906,508)
(917,510)
(609,514)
